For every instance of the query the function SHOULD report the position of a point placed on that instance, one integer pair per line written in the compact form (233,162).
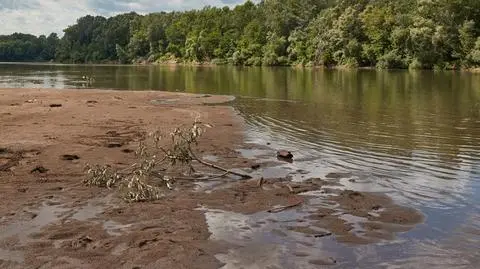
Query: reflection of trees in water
(394,111)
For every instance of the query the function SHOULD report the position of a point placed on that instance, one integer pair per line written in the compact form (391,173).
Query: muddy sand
(49,219)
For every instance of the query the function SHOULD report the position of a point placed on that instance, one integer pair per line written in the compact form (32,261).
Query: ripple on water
(421,172)
(431,163)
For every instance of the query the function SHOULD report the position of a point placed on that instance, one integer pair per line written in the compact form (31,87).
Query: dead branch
(133,181)
(243,176)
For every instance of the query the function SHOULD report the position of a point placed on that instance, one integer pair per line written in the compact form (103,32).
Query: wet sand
(49,219)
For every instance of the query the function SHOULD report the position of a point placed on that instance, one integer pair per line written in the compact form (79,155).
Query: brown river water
(412,135)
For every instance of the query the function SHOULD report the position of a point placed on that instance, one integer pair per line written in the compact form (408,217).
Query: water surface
(413,135)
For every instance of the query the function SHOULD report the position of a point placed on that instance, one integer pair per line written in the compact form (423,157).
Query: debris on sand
(39,169)
(114,145)
(55,105)
(70,157)
(255,166)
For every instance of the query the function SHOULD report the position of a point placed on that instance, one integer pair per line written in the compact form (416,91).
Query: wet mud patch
(10,158)
(356,217)
(313,213)
(256,195)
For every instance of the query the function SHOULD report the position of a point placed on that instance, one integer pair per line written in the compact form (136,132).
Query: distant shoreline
(210,64)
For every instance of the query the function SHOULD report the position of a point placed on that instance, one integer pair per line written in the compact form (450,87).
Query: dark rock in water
(338,175)
(283,154)
(255,166)
(68,157)
(302,172)
(39,169)
(55,105)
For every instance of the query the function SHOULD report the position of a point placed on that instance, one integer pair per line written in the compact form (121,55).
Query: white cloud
(46,16)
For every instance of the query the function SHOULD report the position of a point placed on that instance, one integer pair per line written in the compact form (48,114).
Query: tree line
(443,34)
(23,47)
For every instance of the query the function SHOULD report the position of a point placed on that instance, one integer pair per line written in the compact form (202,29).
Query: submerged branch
(243,176)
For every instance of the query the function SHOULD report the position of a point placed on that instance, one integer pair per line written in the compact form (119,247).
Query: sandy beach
(49,219)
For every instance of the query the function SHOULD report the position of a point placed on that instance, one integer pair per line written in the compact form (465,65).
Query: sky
(46,16)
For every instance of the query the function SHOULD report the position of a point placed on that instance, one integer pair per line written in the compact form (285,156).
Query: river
(413,135)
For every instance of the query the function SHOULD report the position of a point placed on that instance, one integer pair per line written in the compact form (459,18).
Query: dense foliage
(22,47)
(382,33)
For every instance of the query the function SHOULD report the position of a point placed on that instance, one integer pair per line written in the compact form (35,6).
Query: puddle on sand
(301,237)
(114,228)
(259,241)
(93,208)
(44,216)
(90,211)
(22,230)
(50,213)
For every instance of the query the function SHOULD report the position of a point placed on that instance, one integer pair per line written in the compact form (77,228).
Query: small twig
(204,178)
(283,208)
